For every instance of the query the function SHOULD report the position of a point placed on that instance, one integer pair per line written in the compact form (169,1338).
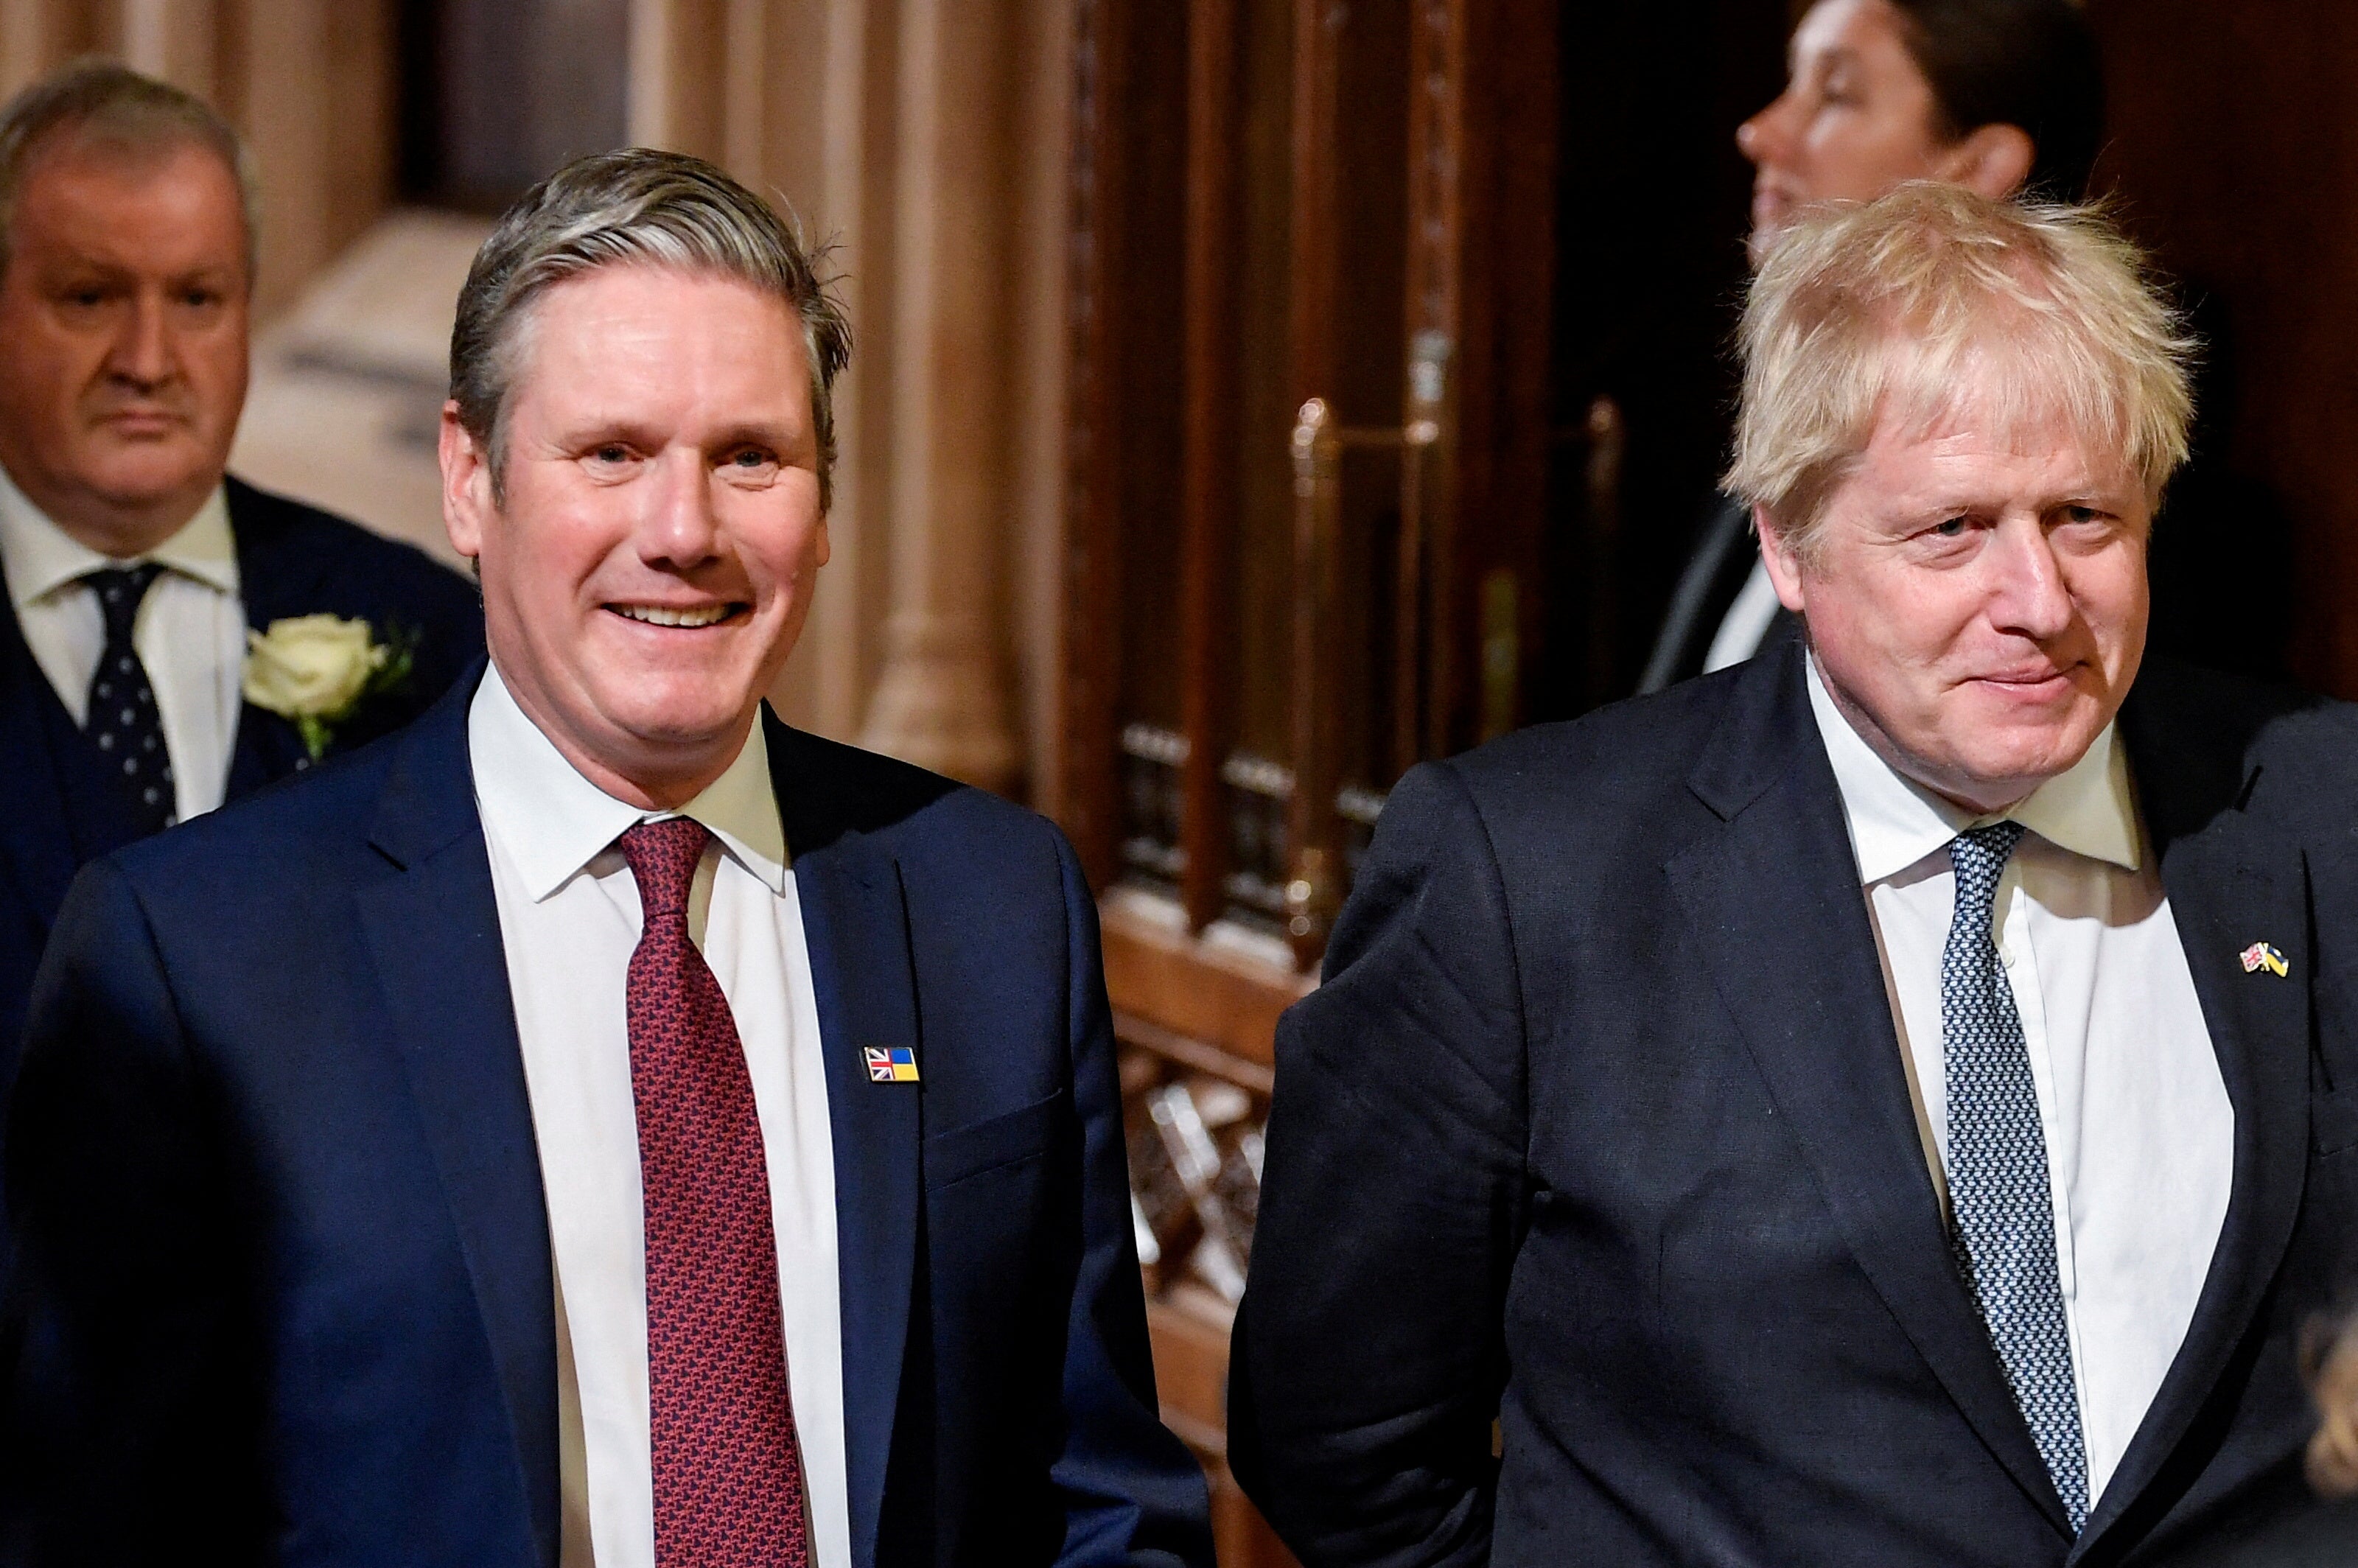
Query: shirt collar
(2087,809)
(553,822)
(39,557)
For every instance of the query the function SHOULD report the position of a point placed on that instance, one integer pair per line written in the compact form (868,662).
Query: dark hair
(2029,64)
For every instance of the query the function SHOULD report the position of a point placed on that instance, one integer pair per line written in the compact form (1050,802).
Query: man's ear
(1784,570)
(1994,160)
(466,485)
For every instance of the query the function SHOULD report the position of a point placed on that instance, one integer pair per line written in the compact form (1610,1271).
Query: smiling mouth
(2028,680)
(691,617)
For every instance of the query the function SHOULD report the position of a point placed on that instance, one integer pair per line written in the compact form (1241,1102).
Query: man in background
(135,568)
(2000,96)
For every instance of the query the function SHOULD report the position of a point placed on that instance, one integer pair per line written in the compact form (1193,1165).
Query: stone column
(677,77)
(177,40)
(941,700)
(37,36)
(311,86)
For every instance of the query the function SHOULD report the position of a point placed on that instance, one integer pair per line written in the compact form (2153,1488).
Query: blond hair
(1903,307)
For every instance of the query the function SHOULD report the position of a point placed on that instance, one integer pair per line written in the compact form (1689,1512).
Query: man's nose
(143,353)
(2029,594)
(681,524)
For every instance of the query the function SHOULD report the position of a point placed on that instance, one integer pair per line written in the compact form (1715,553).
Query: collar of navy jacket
(433,930)
(1774,897)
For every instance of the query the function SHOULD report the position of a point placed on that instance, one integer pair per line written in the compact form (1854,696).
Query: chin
(663,714)
(145,475)
(2034,757)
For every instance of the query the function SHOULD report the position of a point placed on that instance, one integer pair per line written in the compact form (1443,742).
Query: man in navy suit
(598,1123)
(134,568)
(1894,1103)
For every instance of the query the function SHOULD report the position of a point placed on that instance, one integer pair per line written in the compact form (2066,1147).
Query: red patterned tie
(728,1471)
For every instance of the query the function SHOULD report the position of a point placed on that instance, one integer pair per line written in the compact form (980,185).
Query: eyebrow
(756,433)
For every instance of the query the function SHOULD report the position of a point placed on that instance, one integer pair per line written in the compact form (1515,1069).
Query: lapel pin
(897,1064)
(2260,956)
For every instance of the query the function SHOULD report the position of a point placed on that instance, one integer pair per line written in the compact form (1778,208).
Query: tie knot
(1979,855)
(120,590)
(662,857)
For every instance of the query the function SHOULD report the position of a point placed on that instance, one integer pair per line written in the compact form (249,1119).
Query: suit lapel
(1775,905)
(856,925)
(434,931)
(275,583)
(2232,882)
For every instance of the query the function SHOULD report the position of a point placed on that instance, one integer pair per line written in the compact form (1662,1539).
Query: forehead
(1992,432)
(174,202)
(631,333)
(1869,29)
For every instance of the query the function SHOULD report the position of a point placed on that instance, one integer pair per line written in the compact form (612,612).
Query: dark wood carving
(1088,758)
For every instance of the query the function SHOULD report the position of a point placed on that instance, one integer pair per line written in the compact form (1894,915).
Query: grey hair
(102,105)
(650,208)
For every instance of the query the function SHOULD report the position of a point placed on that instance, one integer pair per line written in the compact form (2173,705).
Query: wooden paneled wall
(2234,149)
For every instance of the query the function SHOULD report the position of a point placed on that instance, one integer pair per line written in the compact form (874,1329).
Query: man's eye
(612,453)
(752,458)
(1953,529)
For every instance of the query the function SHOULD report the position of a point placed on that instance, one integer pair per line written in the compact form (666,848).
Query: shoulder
(1625,768)
(1546,821)
(831,793)
(310,827)
(2285,752)
(278,528)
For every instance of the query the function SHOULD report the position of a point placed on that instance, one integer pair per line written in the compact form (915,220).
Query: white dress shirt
(190,633)
(2140,1133)
(570,919)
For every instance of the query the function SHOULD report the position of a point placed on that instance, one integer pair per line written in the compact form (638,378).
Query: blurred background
(1252,396)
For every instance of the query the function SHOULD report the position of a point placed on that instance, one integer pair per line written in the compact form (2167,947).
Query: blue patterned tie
(122,721)
(1997,1171)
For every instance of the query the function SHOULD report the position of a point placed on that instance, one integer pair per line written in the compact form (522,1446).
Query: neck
(1983,797)
(655,782)
(112,526)
(651,776)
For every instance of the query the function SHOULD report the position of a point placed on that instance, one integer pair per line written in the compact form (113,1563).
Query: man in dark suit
(1887,1104)
(597,1121)
(134,568)
(1997,95)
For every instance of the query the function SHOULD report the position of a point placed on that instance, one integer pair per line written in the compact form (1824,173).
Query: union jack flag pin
(893,1064)
(2260,956)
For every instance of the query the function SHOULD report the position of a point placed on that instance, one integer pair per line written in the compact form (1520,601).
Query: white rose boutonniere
(317,669)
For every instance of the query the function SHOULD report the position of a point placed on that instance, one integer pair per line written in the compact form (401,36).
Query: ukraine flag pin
(895,1065)
(2260,956)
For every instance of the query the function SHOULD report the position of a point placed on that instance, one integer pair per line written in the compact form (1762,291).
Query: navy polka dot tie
(122,721)
(728,1466)
(1997,1169)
